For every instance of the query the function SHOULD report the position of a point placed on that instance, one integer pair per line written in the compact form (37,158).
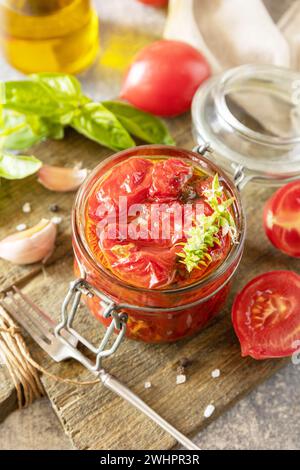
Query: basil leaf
(18,166)
(16,133)
(143,125)
(54,130)
(60,86)
(19,132)
(97,123)
(33,98)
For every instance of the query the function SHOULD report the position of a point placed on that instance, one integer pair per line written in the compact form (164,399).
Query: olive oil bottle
(48,35)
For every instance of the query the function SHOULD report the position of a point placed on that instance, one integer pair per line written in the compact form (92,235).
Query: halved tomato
(266,315)
(282,219)
(168,178)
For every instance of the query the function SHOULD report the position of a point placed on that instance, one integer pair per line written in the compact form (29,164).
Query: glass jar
(250,116)
(49,35)
(156,315)
(247,126)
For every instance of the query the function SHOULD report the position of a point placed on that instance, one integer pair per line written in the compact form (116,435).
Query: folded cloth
(182,24)
(228,32)
(289,24)
(236,32)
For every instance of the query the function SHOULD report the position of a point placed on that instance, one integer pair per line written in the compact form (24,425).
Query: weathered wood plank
(8,396)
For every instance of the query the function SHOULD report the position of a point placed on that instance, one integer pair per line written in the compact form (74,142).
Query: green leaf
(16,133)
(60,86)
(18,166)
(19,131)
(54,130)
(29,97)
(97,123)
(143,125)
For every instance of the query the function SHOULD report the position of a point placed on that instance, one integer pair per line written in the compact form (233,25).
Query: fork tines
(36,322)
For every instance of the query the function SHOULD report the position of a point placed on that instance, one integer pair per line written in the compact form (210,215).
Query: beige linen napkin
(228,32)
(289,25)
(235,32)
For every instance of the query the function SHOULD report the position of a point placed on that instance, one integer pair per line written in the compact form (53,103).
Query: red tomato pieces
(282,219)
(131,179)
(164,198)
(168,179)
(266,315)
(142,266)
(164,78)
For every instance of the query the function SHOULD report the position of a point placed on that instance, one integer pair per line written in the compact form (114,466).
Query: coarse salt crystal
(26,208)
(180,379)
(21,227)
(215,373)
(209,411)
(56,220)
(147,385)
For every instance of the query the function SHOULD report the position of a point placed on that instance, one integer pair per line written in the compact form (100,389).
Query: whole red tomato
(164,78)
(155,3)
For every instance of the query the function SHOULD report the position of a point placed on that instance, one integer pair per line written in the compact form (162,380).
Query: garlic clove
(29,246)
(61,179)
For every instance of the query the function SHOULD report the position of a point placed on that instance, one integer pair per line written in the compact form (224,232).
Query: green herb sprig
(203,235)
(41,107)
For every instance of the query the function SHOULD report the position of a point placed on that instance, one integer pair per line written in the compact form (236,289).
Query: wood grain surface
(93,417)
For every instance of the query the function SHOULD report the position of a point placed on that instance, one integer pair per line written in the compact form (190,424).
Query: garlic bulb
(29,246)
(61,179)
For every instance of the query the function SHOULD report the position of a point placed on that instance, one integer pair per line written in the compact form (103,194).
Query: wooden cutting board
(93,417)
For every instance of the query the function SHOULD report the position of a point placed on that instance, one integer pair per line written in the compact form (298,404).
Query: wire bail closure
(240,177)
(69,309)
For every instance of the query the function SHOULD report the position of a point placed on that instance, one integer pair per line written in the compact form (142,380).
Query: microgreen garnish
(203,235)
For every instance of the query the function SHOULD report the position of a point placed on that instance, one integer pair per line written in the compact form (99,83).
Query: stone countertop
(269,417)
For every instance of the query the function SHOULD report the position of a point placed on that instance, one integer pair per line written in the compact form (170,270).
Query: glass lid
(250,117)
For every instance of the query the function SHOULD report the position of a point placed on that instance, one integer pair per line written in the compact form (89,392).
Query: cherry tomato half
(155,3)
(164,78)
(266,315)
(282,219)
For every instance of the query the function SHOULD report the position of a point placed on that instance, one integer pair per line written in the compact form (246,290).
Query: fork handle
(113,384)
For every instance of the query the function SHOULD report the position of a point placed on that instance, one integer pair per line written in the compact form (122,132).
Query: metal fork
(64,345)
